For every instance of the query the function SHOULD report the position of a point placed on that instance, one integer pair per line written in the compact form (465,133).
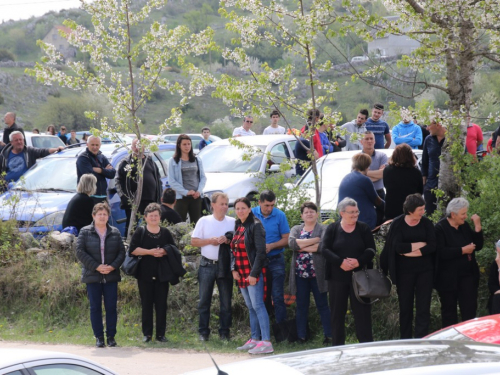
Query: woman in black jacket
(248,259)
(101,251)
(347,246)
(79,211)
(155,270)
(409,258)
(457,272)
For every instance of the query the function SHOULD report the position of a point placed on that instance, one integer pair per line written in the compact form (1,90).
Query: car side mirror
(274,168)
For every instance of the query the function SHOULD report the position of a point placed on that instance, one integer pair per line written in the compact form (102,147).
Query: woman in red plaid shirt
(248,259)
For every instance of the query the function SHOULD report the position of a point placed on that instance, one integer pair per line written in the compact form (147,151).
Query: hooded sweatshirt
(410,133)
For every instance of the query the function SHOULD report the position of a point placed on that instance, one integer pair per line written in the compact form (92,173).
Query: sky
(24,9)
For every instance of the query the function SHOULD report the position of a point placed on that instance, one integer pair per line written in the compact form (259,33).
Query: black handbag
(130,264)
(371,283)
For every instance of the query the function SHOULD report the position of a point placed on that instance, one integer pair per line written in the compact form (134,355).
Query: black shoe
(99,342)
(203,337)
(301,340)
(146,339)
(327,341)
(224,336)
(111,342)
(161,339)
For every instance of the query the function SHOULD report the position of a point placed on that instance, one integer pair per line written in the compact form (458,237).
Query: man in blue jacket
(407,132)
(93,161)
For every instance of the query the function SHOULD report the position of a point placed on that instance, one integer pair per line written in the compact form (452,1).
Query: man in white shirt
(244,130)
(215,265)
(355,130)
(274,128)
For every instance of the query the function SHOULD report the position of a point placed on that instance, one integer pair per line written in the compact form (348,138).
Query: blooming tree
(112,44)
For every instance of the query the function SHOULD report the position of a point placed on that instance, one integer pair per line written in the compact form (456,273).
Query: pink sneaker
(262,348)
(250,344)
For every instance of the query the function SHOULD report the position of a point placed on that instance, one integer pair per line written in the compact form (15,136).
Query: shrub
(6,55)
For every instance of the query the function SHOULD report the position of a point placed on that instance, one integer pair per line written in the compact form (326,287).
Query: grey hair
(14,133)
(87,184)
(344,203)
(93,137)
(456,205)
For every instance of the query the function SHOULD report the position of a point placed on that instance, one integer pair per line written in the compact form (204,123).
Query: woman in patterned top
(307,271)
(248,258)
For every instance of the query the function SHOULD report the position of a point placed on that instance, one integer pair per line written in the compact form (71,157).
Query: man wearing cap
(379,127)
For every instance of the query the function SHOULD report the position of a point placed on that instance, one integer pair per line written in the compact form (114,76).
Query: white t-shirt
(271,130)
(209,226)
(241,131)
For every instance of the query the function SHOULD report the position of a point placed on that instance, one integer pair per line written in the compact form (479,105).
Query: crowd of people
(249,250)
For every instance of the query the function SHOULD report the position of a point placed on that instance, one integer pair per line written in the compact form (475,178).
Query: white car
(332,168)
(41,140)
(229,171)
(359,59)
(40,362)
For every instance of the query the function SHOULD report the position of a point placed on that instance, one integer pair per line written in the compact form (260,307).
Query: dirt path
(136,361)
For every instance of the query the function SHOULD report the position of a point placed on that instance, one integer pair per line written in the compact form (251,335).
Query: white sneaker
(262,348)
(250,344)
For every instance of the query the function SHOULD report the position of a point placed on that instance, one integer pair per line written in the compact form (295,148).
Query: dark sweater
(338,245)
(79,212)
(169,215)
(451,262)
(400,182)
(10,129)
(401,244)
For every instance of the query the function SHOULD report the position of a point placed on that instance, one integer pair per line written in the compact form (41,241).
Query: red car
(485,329)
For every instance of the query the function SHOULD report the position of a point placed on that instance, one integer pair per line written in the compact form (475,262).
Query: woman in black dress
(409,257)
(401,178)
(458,273)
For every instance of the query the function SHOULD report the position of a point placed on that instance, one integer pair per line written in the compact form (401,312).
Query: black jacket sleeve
(370,248)
(327,245)
(493,281)
(82,253)
(121,251)
(260,246)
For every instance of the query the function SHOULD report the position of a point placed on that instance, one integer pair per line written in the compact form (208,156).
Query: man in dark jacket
(10,120)
(16,158)
(126,182)
(93,161)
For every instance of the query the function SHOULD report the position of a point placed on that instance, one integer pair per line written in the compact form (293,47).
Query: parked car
(359,59)
(38,200)
(39,362)
(41,140)
(229,171)
(107,137)
(398,357)
(332,168)
(485,329)
(196,139)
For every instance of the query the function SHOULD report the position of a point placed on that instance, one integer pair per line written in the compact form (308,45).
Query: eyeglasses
(249,121)
(352,212)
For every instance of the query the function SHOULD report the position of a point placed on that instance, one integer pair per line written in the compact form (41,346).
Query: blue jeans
(207,277)
(304,289)
(95,292)
(259,320)
(276,283)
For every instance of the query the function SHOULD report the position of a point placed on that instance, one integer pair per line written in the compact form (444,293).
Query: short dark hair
(274,113)
(101,207)
(205,128)
(152,207)
(403,156)
(312,112)
(267,195)
(378,106)
(364,112)
(309,205)
(412,202)
(361,162)
(168,196)
(72,130)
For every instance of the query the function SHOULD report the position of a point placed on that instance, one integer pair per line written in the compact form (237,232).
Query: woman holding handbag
(151,243)
(248,259)
(347,246)
(409,258)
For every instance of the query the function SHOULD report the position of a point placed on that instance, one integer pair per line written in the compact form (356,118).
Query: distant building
(61,44)
(392,45)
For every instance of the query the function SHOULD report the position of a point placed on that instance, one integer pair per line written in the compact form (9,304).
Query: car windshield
(46,142)
(331,172)
(55,174)
(230,159)
(449,334)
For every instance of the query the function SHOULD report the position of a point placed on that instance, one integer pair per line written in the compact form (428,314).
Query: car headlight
(51,220)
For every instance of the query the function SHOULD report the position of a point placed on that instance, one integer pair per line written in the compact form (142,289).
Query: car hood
(235,185)
(32,206)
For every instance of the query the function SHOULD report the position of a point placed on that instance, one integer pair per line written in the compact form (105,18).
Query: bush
(6,55)
(10,248)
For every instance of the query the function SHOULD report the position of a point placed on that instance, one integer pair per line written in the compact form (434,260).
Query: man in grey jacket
(355,130)
(16,158)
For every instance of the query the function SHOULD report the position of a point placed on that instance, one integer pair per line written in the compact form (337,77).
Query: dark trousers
(304,288)
(188,205)
(380,209)
(275,299)
(207,277)
(96,292)
(430,201)
(465,295)
(140,210)
(340,292)
(153,293)
(495,304)
(414,287)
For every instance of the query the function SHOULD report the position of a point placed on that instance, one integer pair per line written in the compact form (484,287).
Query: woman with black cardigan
(408,255)
(457,272)
(79,211)
(401,178)
(347,246)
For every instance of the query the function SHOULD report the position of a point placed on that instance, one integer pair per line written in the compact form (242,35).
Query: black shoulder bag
(371,283)
(129,266)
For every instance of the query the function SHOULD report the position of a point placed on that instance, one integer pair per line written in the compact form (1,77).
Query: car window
(449,334)
(230,159)
(46,142)
(159,165)
(292,146)
(51,173)
(17,372)
(279,153)
(165,155)
(64,369)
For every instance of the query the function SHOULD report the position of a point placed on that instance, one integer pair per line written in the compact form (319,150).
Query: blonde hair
(87,184)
